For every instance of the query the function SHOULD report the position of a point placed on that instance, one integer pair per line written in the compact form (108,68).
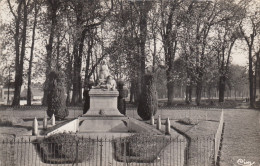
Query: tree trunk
(16,100)
(19,73)
(69,75)
(199,90)
(58,53)
(54,8)
(76,76)
(29,92)
(190,93)
(77,52)
(170,92)
(198,94)
(251,79)
(76,99)
(89,54)
(209,92)
(132,91)
(143,34)
(187,95)
(222,84)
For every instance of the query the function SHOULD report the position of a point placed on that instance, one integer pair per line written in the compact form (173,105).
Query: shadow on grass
(31,119)
(24,127)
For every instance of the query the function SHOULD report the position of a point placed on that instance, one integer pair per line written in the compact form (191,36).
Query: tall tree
(227,33)
(21,20)
(88,16)
(52,12)
(29,92)
(170,25)
(250,29)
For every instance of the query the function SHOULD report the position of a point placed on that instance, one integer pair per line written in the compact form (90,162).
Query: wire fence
(218,136)
(166,151)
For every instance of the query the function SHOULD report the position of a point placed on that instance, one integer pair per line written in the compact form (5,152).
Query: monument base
(103,103)
(103,115)
(103,124)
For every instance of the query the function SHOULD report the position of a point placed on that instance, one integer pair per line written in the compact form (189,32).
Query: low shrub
(9,121)
(148,103)
(186,121)
(86,97)
(65,148)
(142,148)
(121,106)
(56,98)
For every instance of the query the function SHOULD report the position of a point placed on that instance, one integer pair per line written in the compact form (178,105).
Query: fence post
(53,120)
(215,149)
(125,162)
(159,125)
(152,120)
(101,145)
(167,126)
(217,137)
(35,127)
(77,152)
(45,125)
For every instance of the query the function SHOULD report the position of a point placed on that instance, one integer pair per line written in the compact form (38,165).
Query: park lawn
(200,133)
(202,142)
(24,119)
(201,139)
(241,138)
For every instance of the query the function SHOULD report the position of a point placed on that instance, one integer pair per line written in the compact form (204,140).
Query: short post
(159,125)
(167,126)
(101,145)
(53,120)
(77,125)
(45,125)
(152,120)
(35,127)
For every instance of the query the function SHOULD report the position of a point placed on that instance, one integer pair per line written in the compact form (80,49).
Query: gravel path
(241,139)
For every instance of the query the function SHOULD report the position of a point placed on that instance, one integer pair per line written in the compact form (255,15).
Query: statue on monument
(105,80)
(103,71)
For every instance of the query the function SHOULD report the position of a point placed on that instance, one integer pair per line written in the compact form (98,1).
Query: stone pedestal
(103,103)
(103,115)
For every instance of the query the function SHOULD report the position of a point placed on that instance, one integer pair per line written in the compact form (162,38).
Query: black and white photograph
(129,82)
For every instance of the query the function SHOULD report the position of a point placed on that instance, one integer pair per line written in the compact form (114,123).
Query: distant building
(4,93)
(37,95)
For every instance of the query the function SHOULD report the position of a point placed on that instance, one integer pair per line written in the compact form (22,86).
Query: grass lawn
(24,118)
(200,134)
(241,138)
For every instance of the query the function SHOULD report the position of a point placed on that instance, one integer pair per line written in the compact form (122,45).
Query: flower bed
(142,148)
(65,148)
